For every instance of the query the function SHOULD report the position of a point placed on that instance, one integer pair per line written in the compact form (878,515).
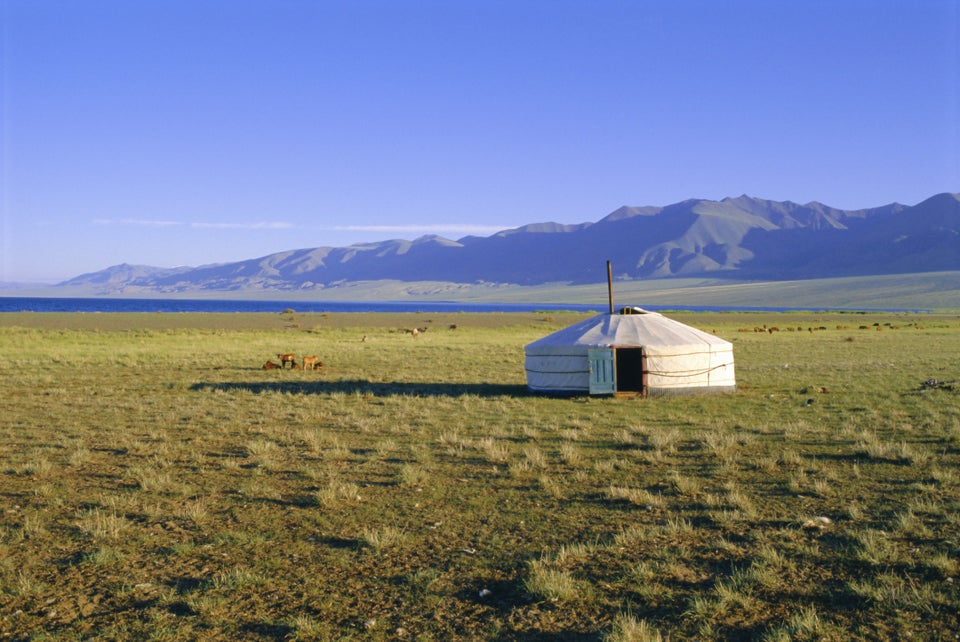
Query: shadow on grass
(509,596)
(553,636)
(267,630)
(370,388)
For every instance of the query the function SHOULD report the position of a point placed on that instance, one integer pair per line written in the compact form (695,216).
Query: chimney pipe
(610,286)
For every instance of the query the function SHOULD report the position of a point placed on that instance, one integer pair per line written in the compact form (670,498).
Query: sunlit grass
(159,482)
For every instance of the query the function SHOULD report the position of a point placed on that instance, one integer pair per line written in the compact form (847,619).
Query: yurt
(630,352)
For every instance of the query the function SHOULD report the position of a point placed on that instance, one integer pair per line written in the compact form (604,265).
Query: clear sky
(186,132)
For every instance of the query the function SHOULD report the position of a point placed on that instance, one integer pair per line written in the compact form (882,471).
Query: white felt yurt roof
(650,330)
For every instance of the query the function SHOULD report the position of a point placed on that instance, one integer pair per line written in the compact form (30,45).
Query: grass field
(157,484)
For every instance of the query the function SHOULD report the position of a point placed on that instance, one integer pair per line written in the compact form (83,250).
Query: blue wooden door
(603,372)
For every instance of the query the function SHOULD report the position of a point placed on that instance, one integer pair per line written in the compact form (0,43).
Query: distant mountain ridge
(742,238)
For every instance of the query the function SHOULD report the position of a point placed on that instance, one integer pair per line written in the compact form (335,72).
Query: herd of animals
(875,326)
(314,362)
(307,363)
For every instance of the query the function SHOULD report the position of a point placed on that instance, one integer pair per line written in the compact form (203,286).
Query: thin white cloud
(135,222)
(438,228)
(412,229)
(263,225)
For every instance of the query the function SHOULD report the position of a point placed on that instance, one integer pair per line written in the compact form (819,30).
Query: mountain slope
(743,238)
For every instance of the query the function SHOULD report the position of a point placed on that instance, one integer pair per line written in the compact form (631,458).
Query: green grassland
(157,484)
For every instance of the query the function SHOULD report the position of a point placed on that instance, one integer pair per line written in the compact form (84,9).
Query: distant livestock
(415,332)
(309,363)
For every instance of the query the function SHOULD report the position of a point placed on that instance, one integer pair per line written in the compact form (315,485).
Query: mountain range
(740,238)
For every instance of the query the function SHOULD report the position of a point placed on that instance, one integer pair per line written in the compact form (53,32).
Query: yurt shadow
(369,388)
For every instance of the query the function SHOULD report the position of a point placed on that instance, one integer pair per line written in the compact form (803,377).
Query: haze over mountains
(741,238)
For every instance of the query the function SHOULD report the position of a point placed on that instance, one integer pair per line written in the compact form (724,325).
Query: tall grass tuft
(551,584)
(336,492)
(383,537)
(627,628)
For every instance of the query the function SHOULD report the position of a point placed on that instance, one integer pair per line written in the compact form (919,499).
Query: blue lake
(51,304)
(38,304)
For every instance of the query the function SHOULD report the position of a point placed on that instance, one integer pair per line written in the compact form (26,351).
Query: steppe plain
(158,484)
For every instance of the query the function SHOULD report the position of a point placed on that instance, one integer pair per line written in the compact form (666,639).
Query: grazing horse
(287,358)
(312,363)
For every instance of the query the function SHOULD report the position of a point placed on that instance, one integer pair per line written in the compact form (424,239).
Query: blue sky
(181,132)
